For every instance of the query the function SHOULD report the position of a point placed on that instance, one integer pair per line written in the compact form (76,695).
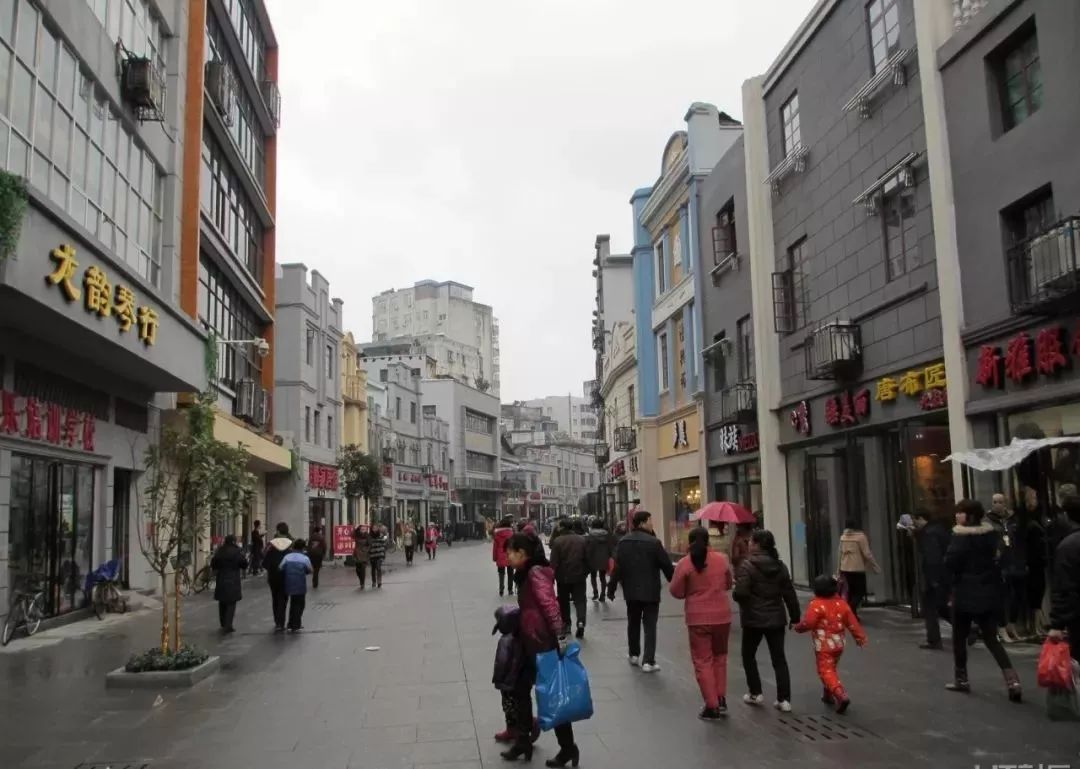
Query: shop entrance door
(121,523)
(826,480)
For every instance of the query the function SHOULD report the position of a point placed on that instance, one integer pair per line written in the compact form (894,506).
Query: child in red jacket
(828,617)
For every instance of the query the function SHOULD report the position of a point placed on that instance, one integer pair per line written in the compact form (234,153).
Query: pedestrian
(408,541)
(256,543)
(855,557)
(295,567)
(703,580)
(377,553)
(361,552)
(500,536)
(228,564)
(431,541)
(767,606)
(640,559)
(1065,585)
(509,662)
(316,552)
(1012,560)
(569,561)
(621,530)
(540,630)
(273,554)
(599,552)
(828,619)
(932,540)
(740,544)
(971,562)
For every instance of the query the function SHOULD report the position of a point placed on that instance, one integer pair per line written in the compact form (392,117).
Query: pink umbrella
(724,512)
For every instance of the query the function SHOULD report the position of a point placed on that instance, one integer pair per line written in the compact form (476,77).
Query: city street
(423,697)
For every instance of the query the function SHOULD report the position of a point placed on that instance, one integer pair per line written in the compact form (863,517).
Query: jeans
(226,612)
(279,600)
(638,613)
(774,637)
(376,572)
(506,577)
(856,587)
(361,572)
(316,567)
(574,591)
(987,624)
(296,611)
(709,652)
(603,585)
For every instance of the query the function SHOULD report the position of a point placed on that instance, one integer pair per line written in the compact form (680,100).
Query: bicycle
(27,611)
(201,581)
(104,590)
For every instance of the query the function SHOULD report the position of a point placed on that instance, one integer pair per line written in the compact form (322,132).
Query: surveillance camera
(262,347)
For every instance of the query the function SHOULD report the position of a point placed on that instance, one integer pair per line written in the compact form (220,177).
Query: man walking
(640,558)
(255,546)
(569,562)
(295,567)
(932,540)
(276,550)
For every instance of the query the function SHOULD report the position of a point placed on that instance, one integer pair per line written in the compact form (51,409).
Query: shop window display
(681,499)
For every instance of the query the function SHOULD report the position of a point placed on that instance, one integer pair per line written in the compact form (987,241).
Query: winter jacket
(431,539)
(640,558)
(705,591)
(568,558)
(1012,549)
(855,552)
(295,567)
(377,547)
(317,547)
(971,562)
(765,593)
(829,619)
(257,540)
(229,565)
(541,621)
(275,552)
(1065,585)
(932,541)
(509,653)
(599,549)
(408,539)
(500,537)
(362,548)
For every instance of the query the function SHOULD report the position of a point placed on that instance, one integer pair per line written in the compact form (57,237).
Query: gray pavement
(424,698)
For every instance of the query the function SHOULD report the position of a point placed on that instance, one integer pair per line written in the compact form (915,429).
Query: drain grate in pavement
(821,729)
(324,605)
(114,765)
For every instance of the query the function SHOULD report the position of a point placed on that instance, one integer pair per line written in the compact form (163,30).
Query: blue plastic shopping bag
(562,688)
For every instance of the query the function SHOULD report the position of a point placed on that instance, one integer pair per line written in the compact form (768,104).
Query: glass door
(826,495)
(121,523)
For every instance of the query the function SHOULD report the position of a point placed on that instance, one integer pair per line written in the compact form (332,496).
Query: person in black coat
(932,540)
(1065,585)
(600,547)
(767,607)
(972,565)
(640,559)
(228,564)
(569,560)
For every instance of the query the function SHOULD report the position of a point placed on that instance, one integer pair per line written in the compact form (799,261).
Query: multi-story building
(566,473)
(308,405)
(730,402)
(848,359)
(525,424)
(379,447)
(97,331)
(573,415)
(435,451)
(620,478)
(667,303)
(355,415)
(461,335)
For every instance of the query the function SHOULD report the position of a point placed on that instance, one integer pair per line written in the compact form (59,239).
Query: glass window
(78,159)
(662,363)
(899,238)
(7,20)
(46,68)
(65,78)
(39,172)
(789,119)
(43,109)
(21,95)
(744,334)
(26,42)
(719,364)
(883,18)
(1021,83)
(61,144)
(329,362)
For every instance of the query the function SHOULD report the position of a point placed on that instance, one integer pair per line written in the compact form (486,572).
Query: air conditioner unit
(143,87)
(219,86)
(1054,257)
(245,399)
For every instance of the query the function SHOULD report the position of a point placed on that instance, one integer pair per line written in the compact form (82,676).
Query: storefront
(620,488)
(678,470)
(868,454)
(734,469)
(324,497)
(438,498)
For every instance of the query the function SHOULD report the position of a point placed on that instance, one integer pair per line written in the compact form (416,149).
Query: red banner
(322,477)
(343,540)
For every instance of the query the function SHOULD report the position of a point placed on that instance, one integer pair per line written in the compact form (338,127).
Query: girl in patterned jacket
(828,618)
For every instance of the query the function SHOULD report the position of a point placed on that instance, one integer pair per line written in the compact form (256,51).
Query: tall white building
(574,415)
(462,336)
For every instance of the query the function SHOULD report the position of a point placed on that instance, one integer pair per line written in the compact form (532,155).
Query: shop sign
(679,432)
(634,465)
(928,384)
(438,482)
(99,296)
(548,491)
(800,418)
(534,496)
(343,539)
(729,439)
(617,470)
(388,471)
(322,477)
(634,485)
(844,409)
(1026,359)
(409,477)
(39,420)
(748,442)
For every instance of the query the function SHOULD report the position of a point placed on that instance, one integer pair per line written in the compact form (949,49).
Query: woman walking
(316,552)
(540,630)
(768,605)
(704,580)
(431,541)
(971,561)
(855,556)
(600,549)
(361,553)
(500,536)
(228,564)
(377,553)
(408,541)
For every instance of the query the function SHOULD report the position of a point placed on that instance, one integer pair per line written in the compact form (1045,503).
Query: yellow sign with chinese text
(912,382)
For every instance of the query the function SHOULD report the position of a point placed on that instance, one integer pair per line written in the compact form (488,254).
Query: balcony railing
(965,10)
(1044,271)
(625,439)
(833,351)
(738,402)
(355,389)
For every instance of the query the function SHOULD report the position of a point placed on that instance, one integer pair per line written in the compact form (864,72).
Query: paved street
(320,699)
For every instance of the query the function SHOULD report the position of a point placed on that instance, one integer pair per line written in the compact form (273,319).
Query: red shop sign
(748,442)
(1025,358)
(844,410)
(38,420)
(322,477)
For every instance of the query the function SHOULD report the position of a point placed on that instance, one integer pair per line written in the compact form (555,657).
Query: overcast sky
(489,141)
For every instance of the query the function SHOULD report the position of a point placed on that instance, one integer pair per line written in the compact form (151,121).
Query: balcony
(966,10)
(738,402)
(625,439)
(833,351)
(272,97)
(1044,271)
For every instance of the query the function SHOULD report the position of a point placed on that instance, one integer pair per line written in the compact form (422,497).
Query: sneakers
(722,709)
(650,667)
(634,661)
(783,706)
(753,699)
(709,714)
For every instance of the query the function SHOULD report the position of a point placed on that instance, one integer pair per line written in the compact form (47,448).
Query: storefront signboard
(800,418)
(100,297)
(39,420)
(617,471)
(748,442)
(929,385)
(387,471)
(1026,358)
(343,539)
(845,409)
(322,477)
(679,436)
(438,482)
(409,478)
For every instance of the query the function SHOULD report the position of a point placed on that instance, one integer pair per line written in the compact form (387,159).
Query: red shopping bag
(1055,666)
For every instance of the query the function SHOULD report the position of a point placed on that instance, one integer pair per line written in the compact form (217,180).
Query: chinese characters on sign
(681,441)
(843,409)
(322,477)
(617,470)
(410,477)
(729,439)
(1025,359)
(343,540)
(748,442)
(39,420)
(928,384)
(387,471)
(438,482)
(800,418)
(100,297)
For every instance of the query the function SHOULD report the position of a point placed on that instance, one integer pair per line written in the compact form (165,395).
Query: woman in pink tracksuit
(704,580)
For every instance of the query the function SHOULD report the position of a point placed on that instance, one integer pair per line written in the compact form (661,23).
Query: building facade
(574,415)
(355,427)
(620,474)
(308,401)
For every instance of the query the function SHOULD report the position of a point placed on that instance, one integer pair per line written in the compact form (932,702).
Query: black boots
(1012,682)
(518,751)
(580,631)
(960,682)
(565,756)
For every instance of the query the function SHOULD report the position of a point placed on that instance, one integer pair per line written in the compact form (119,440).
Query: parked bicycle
(202,580)
(103,588)
(27,610)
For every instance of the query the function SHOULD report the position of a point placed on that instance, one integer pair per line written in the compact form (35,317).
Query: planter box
(162,679)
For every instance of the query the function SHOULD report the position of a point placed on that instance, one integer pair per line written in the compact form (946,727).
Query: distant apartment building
(574,415)
(461,335)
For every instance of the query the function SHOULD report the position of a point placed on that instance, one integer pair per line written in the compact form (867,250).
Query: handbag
(1056,666)
(562,688)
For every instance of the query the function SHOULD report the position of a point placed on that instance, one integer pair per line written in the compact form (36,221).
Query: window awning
(882,180)
(893,69)
(1004,457)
